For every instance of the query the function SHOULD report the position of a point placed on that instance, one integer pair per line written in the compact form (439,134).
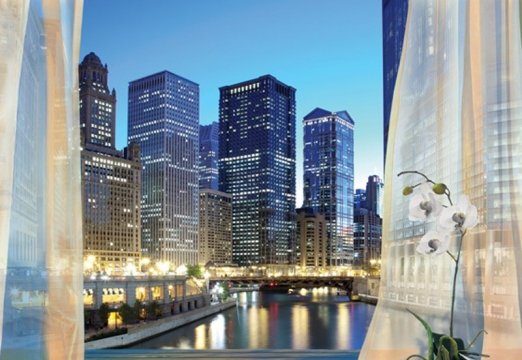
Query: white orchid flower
(424,204)
(463,215)
(433,243)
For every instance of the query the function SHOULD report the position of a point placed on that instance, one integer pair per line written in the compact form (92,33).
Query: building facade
(111,183)
(394,13)
(374,194)
(97,103)
(328,177)
(257,167)
(111,179)
(367,235)
(164,121)
(367,222)
(215,227)
(311,238)
(208,156)
(359,199)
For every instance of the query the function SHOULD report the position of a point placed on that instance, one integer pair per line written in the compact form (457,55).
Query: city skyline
(338,66)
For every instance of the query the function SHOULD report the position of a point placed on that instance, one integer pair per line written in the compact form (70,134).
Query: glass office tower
(394,14)
(164,121)
(328,177)
(257,166)
(208,156)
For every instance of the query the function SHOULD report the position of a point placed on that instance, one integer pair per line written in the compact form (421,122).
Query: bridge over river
(283,283)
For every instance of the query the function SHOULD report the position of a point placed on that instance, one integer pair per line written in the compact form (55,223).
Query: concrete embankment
(145,331)
(368,299)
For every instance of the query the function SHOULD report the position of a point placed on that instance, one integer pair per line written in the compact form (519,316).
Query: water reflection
(200,337)
(317,320)
(343,327)
(300,327)
(217,332)
(258,328)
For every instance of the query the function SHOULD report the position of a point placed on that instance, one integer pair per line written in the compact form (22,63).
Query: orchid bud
(407,190)
(439,189)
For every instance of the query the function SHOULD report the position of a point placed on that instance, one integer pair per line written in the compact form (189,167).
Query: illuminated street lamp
(163,267)
(181,270)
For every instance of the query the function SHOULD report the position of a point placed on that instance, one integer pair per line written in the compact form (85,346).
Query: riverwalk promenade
(150,329)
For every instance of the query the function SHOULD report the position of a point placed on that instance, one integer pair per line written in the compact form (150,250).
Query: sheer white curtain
(41,309)
(456,116)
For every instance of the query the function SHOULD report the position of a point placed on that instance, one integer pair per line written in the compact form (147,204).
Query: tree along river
(319,319)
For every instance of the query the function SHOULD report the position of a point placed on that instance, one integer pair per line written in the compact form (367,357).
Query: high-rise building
(215,227)
(374,194)
(257,166)
(208,156)
(359,199)
(394,14)
(328,177)
(367,235)
(97,103)
(111,179)
(367,222)
(311,238)
(164,121)
(111,194)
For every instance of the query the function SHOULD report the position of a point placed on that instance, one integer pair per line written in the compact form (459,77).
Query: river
(317,320)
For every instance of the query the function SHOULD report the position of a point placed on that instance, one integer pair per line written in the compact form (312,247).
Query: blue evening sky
(329,50)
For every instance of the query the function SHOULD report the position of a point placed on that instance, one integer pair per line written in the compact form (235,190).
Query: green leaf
(443,353)
(428,331)
(449,343)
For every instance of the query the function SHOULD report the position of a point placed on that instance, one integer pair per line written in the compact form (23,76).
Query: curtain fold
(41,307)
(456,116)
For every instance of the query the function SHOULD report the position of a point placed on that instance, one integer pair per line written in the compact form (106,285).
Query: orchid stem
(462,233)
(418,173)
(452,256)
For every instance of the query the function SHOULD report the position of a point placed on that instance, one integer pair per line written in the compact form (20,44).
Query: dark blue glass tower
(164,121)
(328,178)
(394,13)
(257,166)
(208,156)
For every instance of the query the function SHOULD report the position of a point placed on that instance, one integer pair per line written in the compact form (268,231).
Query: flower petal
(436,205)
(416,213)
(463,203)
(471,217)
(433,243)
(445,220)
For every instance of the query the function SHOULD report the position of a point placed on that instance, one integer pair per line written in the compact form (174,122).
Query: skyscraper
(257,166)
(208,156)
(311,238)
(111,179)
(359,199)
(367,235)
(394,14)
(374,194)
(164,121)
(215,227)
(97,103)
(328,177)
